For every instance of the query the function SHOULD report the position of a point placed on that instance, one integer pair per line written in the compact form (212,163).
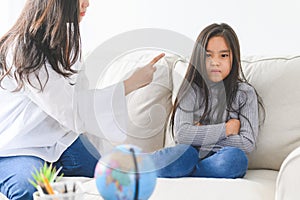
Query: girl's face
(218,59)
(83,4)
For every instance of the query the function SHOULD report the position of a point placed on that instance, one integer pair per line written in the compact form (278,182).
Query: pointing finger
(156,59)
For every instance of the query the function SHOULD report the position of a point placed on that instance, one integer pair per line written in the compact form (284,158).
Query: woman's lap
(79,159)
(14,175)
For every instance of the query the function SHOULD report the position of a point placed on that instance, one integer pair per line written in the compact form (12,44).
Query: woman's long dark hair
(197,75)
(46,31)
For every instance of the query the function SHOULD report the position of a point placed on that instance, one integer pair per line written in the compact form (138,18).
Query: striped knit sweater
(211,136)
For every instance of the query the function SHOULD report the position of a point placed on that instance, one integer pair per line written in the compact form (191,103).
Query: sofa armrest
(288,180)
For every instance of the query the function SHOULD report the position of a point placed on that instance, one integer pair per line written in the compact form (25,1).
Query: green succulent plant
(47,171)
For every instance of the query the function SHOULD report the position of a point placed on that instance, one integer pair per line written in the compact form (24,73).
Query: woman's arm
(102,112)
(142,76)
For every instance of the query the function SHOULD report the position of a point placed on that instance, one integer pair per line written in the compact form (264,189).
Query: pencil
(47,185)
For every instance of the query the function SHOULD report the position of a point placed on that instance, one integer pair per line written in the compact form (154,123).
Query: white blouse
(45,124)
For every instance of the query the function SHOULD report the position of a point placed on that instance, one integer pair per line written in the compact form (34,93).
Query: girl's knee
(175,161)
(232,163)
(235,155)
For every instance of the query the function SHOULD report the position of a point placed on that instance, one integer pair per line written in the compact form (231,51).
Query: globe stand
(137,175)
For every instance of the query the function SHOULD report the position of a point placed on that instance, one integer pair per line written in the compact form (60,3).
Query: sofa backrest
(148,107)
(277,81)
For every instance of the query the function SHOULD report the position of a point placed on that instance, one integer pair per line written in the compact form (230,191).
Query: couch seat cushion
(257,184)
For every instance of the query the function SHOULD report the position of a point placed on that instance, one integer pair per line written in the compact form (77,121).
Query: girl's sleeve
(188,133)
(248,117)
(102,112)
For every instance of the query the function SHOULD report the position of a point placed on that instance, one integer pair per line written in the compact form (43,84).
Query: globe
(125,174)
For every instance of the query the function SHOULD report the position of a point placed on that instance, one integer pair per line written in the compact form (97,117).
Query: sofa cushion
(257,185)
(148,107)
(276,79)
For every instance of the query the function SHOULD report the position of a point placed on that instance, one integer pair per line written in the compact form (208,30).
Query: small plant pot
(69,190)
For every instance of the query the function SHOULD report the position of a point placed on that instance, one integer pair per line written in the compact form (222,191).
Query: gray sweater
(212,136)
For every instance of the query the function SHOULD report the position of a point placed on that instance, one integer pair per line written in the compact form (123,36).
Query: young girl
(215,115)
(40,118)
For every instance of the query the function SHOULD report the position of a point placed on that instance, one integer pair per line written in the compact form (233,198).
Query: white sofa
(274,166)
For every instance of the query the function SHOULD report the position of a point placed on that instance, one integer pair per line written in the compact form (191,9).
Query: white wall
(269,27)
(10,10)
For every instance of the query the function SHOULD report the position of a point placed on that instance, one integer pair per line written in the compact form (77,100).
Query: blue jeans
(178,161)
(183,161)
(79,159)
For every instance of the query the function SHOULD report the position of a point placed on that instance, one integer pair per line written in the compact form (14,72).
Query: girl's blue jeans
(79,159)
(183,161)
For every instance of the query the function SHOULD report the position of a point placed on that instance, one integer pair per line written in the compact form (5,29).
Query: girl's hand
(142,76)
(233,127)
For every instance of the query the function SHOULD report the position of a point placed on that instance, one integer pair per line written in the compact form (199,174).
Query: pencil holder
(65,190)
